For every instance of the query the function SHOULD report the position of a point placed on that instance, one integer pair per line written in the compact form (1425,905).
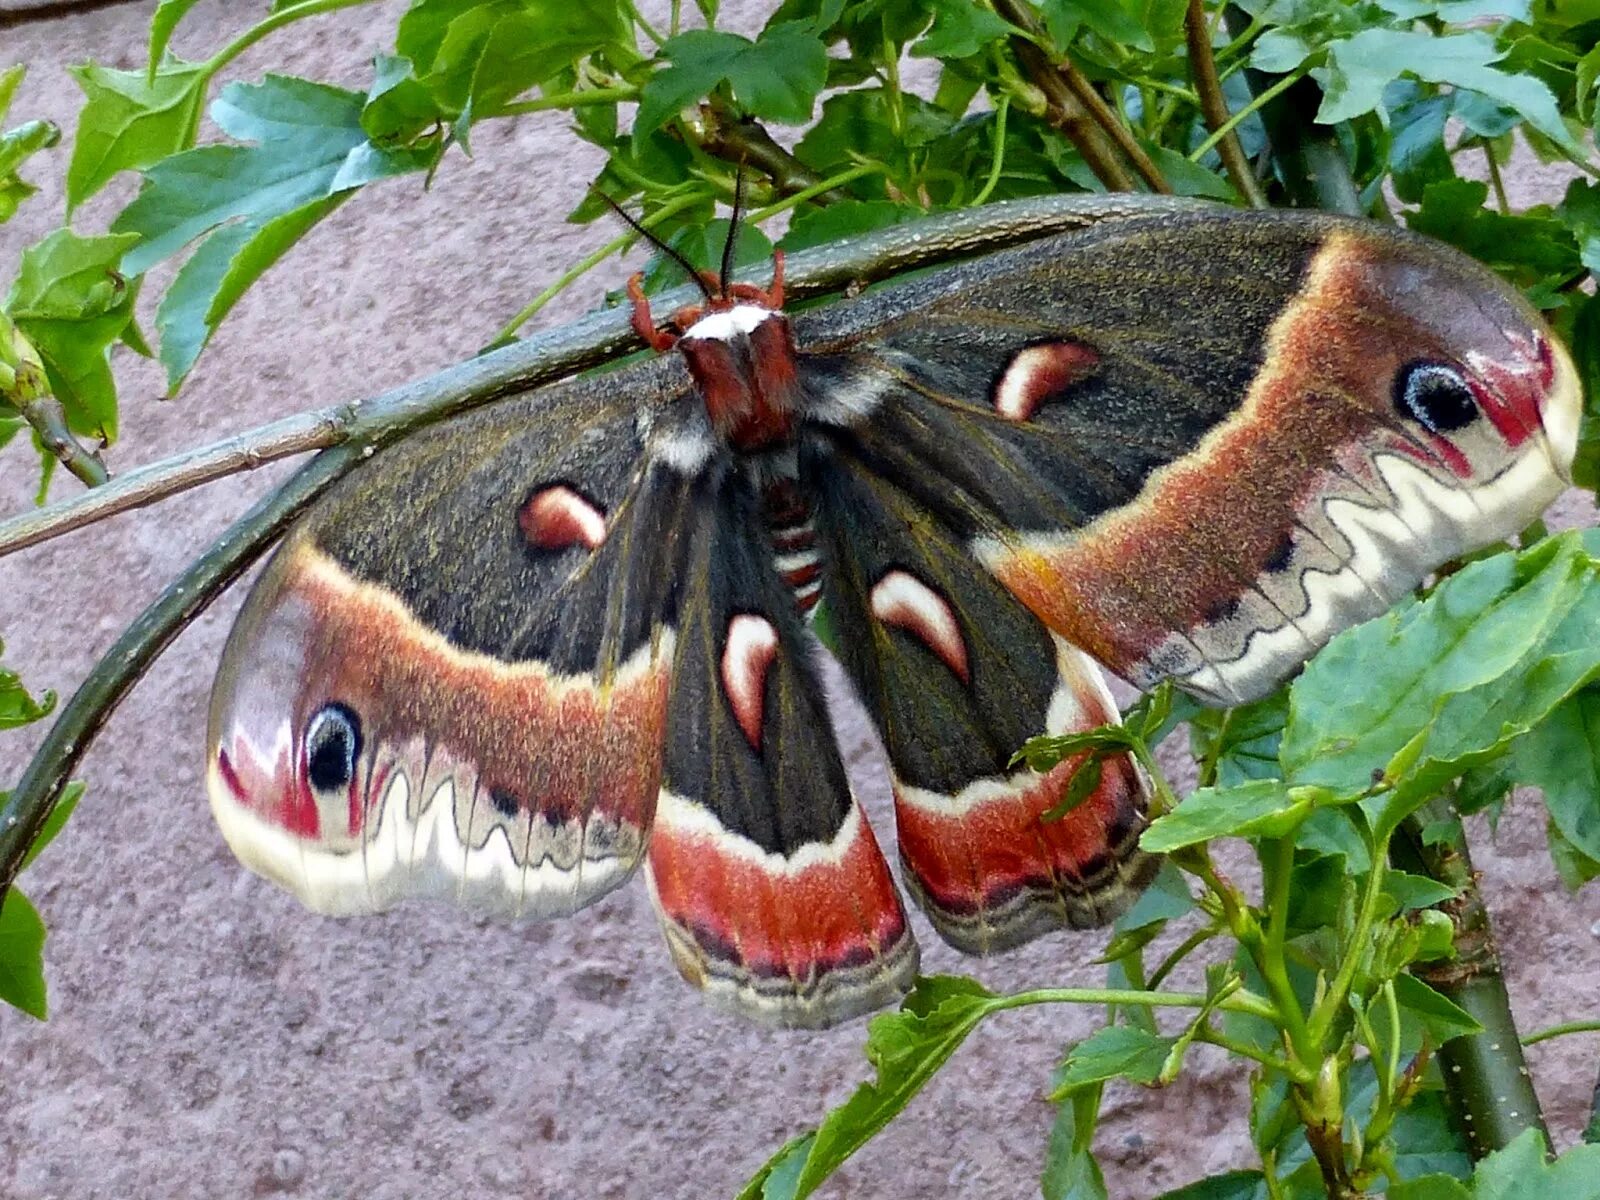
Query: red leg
(644,325)
(775,292)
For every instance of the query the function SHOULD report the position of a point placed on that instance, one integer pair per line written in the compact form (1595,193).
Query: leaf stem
(1241,1001)
(1000,111)
(1562,1030)
(1225,130)
(49,422)
(1499,184)
(1184,948)
(1214,108)
(1061,108)
(1327,1009)
(272,23)
(1296,1071)
(591,260)
(744,141)
(577,99)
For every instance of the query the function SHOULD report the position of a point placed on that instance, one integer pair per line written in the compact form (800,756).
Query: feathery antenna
(675,255)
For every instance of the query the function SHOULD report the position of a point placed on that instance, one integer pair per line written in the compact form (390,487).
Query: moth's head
(1455,371)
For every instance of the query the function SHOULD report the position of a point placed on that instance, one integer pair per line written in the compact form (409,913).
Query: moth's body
(525,650)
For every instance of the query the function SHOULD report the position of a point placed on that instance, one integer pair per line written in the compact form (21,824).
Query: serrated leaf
(22,935)
(1065,19)
(1421,694)
(131,119)
(1585,344)
(1165,899)
(1580,209)
(1360,67)
(71,301)
(163,23)
(17,145)
(1526,247)
(1521,1171)
(1114,1052)
(960,29)
(1261,808)
(906,1048)
(777,76)
(250,202)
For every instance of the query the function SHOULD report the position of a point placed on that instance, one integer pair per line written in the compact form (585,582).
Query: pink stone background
(210,1038)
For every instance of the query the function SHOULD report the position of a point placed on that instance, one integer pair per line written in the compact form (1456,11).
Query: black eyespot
(505,803)
(1435,396)
(333,744)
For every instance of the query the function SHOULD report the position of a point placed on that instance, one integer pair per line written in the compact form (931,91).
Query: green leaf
(960,30)
(1166,898)
(22,936)
(702,244)
(1070,1170)
(1241,744)
(1580,209)
(1527,248)
(1585,344)
(906,1047)
(17,145)
(1065,19)
(1232,1185)
(1430,1187)
(132,119)
(1522,1172)
(1561,757)
(1262,808)
(777,77)
(1114,1052)
(71,301)
(1441,1017)
(162,25)
(17,707)
(1573,866)
(250,203)
(1421,694)
(846,218)
(1415,891)
(1360,67)
(70,795)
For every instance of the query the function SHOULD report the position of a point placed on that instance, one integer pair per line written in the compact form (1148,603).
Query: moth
(528,649)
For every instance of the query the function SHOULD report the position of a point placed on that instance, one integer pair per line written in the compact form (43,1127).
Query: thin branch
(148,484)
(49,422)
(811,273)
(1094,103)
(12,18)
(744,141)
(1063,109)
(1203,73)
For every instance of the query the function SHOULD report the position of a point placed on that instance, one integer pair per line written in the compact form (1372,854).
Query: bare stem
(1095,105)
(49,422)
(1063,109)
(744,141)
(156,481)
(1203,72)
(10,18)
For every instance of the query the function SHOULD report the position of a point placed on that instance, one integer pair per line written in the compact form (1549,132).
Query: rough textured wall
(210,1038)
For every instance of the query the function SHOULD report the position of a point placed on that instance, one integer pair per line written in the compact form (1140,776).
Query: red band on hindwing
(805,940)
